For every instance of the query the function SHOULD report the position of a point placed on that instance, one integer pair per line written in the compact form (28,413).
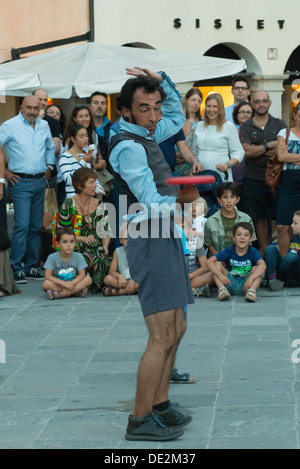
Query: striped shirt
(68,165)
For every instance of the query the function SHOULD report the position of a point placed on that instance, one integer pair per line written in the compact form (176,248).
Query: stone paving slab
(70,374)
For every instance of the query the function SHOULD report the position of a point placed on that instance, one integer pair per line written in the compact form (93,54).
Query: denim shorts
(237,283)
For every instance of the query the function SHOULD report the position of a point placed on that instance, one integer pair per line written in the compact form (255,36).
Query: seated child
(285,271)
(65,270)
(118,282)
(244,266)
(218,229)
(193,224)
(199,209)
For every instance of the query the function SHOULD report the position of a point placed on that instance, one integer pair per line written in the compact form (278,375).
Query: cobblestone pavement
(70,373)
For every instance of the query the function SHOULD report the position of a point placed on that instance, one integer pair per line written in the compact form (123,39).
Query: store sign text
(260,24)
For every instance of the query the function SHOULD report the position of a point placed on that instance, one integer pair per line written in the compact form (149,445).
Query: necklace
(87,216)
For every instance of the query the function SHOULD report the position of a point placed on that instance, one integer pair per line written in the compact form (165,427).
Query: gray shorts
(159,266)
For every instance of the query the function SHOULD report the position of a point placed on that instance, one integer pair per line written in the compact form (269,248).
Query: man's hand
(137,71)
(11,177)
(48,174)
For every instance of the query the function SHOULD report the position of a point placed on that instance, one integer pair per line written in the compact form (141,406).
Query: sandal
(2,294)
(223,294)
(251,296)
(202,291)
(53,295)
(110,291)
(181,378)
(84,293)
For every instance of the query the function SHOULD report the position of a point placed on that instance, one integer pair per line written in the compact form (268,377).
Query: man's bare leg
(161,343)
(163,389)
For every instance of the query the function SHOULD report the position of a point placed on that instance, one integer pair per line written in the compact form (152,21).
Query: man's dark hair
(98,93)
(149,85)
(66,230)
(228,186)
(240,78)
(242,224)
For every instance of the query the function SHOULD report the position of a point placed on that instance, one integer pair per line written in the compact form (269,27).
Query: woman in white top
(216,141)
(289,191)
(76,158)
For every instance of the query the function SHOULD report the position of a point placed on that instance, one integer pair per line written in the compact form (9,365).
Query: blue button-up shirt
(29,149)
(132,165)
(228,113)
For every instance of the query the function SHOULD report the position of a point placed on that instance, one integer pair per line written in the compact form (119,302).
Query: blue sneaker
(34,275)
(20,278)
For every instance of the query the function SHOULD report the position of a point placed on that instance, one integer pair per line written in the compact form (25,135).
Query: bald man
(28,144)
(259,139)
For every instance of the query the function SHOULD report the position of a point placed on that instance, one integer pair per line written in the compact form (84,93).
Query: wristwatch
(50,166)
(266,147)
(229,165)
(2,181)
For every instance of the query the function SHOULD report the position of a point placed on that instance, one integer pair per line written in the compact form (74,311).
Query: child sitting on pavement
(244,266)
(285,271)
(218,229)
(118,282)
(65,270)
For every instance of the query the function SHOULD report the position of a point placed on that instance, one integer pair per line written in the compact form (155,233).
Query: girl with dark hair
(76,157)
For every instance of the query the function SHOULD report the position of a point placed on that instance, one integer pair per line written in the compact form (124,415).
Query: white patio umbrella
(13,81)
(93,67)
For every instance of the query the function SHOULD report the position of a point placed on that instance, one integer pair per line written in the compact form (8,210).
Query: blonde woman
(216,142)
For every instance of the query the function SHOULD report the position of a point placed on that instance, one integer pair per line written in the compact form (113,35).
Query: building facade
(265,34)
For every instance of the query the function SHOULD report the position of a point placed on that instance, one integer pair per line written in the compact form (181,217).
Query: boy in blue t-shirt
(239,268)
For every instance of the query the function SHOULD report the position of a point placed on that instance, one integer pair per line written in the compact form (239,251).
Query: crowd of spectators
(249,238)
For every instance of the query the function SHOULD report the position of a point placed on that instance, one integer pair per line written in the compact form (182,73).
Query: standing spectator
(55,111)
(81,115)
(193,101)
(98,108)
(42,95)
(216,141)
(242,112)
(241,92)
(289,190)
(28,143)
(7,283)
(259,138)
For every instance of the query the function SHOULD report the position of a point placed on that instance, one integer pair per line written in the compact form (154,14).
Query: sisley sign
(217,23)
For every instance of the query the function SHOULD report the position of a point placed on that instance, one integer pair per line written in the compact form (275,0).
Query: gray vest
(156,162)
